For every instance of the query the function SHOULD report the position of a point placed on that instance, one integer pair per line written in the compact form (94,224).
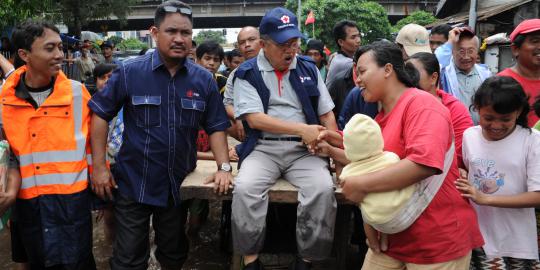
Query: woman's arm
(397,176)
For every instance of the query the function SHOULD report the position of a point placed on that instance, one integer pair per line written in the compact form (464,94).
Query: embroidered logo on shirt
(190,93)
(307,78)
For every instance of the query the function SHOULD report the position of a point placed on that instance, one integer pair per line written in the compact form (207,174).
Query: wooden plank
(194,187)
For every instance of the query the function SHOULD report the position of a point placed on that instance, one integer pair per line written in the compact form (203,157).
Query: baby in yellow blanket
(363,143)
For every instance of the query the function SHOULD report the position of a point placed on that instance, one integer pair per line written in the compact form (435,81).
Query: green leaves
(212,35)
(418,17)
(74,13)
(371,18)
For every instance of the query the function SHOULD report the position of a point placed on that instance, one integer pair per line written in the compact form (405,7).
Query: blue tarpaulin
(68,39)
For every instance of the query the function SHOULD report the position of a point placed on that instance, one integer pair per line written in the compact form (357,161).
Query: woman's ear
(434,79)
(388,70)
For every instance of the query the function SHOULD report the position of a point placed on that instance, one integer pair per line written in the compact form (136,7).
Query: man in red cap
(526,49)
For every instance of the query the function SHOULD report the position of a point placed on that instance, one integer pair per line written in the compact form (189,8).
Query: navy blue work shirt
(162,115)
(354,103)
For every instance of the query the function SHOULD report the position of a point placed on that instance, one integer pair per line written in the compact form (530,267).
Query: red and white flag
(310,18)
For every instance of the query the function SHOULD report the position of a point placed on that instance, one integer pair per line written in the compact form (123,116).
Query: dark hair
(102,69)
(193,44)
(339,30)
(441,29)
(233,53)
(504,95)
(160,14)
(536,106)
(26,33)
(518,40)
(385,52)
(210,48)
(430,63)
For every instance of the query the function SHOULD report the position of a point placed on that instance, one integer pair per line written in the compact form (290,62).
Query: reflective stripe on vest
(59,183)
(54,179)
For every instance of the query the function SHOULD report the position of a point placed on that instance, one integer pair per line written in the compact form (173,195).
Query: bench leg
(225,234)
(236,262)
(342,235)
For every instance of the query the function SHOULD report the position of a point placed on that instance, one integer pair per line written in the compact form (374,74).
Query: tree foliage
(77,13)
(131,44)
(212,35)
(418,17)
(371,18)
(73,13)
(115,40)
(14,11)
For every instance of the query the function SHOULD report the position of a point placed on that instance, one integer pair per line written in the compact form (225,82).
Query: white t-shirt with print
(506,167)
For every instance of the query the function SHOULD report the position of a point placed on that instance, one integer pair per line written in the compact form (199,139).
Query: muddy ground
(205,252)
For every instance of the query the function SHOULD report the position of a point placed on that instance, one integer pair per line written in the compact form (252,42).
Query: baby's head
(362,138)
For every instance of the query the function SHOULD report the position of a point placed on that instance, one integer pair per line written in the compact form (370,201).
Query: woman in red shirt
(418,128)
(429,73)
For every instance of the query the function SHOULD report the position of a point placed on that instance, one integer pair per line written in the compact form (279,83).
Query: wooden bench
(282,192)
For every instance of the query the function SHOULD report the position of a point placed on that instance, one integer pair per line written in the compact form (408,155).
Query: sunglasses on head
(181,10)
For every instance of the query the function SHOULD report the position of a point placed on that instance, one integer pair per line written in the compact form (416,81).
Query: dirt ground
(205,252)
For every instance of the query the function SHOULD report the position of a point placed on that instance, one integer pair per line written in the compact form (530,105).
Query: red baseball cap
(525,27)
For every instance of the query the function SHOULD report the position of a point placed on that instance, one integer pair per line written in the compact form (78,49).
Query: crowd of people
(441,156)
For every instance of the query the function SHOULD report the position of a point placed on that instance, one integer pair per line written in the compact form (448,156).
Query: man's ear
(23,54)
(515,51)
(340,42)
(153,31)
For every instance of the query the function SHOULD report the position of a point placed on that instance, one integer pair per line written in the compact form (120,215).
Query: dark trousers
(131,246)
(86,264)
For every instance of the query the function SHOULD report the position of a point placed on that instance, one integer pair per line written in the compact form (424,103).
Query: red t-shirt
(419,129)
(531,88)
(461,120)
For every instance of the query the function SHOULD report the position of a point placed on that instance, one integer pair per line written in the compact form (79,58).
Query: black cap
(108,44)
(315,44)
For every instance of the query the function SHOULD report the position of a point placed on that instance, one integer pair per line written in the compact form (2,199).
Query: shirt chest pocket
(192,109)
(147,110)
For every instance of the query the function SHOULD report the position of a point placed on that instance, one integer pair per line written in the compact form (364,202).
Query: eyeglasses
(293,45)
(471,52)
(181,10)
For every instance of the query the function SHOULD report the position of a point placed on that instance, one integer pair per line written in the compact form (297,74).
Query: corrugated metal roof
(482,14)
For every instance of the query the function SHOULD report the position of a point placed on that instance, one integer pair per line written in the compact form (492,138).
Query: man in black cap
(315,50)
(107,49)
(284,100)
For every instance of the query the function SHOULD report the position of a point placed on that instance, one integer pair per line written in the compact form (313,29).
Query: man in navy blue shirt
(354,103)
(165,98)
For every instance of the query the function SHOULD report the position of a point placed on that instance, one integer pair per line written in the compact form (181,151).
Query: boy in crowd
(210,55)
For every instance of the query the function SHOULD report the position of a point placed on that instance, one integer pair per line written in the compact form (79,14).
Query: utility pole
(298,14)
(472,15)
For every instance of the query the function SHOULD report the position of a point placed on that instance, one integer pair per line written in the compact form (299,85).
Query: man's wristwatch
(225,167)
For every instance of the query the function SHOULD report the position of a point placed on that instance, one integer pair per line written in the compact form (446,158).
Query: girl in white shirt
(502,156)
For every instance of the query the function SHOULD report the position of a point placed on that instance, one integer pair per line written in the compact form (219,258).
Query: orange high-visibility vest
(52,142)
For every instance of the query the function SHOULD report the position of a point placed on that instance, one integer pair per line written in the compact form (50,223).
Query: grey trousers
(317,204)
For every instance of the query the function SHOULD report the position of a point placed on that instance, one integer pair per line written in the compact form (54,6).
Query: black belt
(284,139)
